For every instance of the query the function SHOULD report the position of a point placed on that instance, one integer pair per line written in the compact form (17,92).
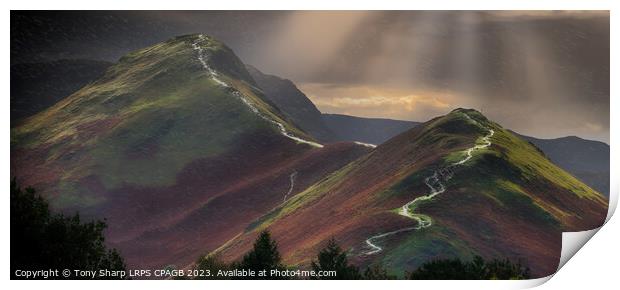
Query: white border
(594,266)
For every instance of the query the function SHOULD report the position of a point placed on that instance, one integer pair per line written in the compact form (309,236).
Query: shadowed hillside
(367,130)
(586,159)
(294,104)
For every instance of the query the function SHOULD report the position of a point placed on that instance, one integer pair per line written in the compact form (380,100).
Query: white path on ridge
(291,178)
(202,58)
(365,144)
(436,186)
(486,144)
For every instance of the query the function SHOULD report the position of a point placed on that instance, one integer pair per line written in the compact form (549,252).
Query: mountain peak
(472,113)
(464,110)
(194,36)
(204,40)
(460,122)
(421,190)
(180,120)
(190,88)
(186,51)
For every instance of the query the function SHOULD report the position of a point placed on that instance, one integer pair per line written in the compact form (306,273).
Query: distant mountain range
(367,130)
(585,159)
(185,150)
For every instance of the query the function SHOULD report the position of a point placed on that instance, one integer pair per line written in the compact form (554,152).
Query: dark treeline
(41,239)
(265,256)
(477,269)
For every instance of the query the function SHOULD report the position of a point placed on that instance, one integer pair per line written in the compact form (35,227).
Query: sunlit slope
(148,117)
(175,147)
(506,201)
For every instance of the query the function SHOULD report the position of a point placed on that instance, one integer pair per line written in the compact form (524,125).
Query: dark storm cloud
(539,73)
(108,35)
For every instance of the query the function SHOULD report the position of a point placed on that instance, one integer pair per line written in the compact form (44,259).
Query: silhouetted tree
(44,240)
(263,256)
(477,269)
(332,258)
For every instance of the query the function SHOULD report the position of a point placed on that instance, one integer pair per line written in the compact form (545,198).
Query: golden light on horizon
(517,66)
(365,100)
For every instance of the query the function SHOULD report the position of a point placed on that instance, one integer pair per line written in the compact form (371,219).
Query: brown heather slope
(214,199)
(507,201)
(175,146)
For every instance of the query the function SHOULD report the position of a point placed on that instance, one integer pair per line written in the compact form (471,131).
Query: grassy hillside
(502,194)
(146,118)
(165,146)
(587,160)
(506,201)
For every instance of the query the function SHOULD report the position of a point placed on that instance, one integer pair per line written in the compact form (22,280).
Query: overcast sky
(544,74)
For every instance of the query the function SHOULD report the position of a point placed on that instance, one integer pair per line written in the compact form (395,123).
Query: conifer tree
(263,256)
(332,258)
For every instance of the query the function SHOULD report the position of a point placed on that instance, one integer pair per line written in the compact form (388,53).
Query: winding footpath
(365,144)
(292,178)
(203,56)
(435,183)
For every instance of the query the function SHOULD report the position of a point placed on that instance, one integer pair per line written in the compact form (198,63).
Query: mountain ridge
(595,172)
(586,159)
(183,153)
(369,192)
(293,103)
(164,145)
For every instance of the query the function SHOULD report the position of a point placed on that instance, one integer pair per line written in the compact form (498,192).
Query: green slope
(506,201)
(151,114)
(510,180)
